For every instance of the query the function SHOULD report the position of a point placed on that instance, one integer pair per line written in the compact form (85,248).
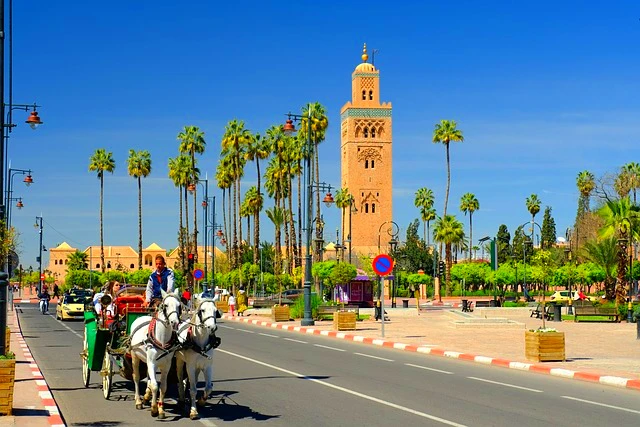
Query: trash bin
(405,303)
(557,314)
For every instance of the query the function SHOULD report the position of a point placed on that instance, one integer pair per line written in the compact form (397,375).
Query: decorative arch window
(98,265)
(55,262)
(366,164)
(66,261)
(108,264)
(366,132)
(366,208)
(373,208)
(372,163)
(131,266)
(373,132)
(364,95)
(147,260)
(371,95)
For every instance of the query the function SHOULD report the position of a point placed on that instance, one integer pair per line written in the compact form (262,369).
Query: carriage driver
(161,279)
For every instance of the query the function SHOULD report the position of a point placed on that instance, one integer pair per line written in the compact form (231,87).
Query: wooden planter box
(7,378)
(544,346)
(344,321)
(280,313)
(223,306)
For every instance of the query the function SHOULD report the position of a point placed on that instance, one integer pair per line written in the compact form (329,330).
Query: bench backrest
(607,311)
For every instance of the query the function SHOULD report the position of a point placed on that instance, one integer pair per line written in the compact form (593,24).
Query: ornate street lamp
(288,128)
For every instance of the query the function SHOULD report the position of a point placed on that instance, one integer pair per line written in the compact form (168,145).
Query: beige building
(366,142)
(123,258)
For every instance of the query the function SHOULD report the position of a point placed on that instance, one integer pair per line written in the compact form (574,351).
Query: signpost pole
(381,284)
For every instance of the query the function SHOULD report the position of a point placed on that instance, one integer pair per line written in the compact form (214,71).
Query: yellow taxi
(71,307)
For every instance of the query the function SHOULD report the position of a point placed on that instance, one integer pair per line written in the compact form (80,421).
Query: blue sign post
(383,266)
(198,274)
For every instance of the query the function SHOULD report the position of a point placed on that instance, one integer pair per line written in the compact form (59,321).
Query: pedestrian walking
(232,304)
(55,291)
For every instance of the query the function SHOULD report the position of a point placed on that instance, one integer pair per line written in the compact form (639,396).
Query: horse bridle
(199,312)
(163,307)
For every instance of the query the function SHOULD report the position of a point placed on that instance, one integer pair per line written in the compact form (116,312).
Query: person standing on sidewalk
(232,304)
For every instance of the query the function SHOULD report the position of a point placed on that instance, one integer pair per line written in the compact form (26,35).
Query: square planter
(7,378)
(280,313)
(344,321)
(544,346)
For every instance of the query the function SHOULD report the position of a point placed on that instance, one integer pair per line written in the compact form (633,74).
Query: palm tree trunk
(446,194)
(470,233)
(101,222)
(429,235)
(256,220)
(181,233)
(139,223)
(448,259)
(292,226)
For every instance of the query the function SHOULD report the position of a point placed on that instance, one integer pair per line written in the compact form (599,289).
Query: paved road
(290,379)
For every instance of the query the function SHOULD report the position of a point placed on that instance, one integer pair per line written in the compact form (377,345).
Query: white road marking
(330,348)
(429,369)
(298,341)
(247,331)
(346,390)
(633,411)
(506,385)
(68,328)
(226,327)
(208,422)
(268,335)
(373,357)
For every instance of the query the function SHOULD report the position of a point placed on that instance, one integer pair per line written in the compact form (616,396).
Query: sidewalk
(600,352)
(33,404)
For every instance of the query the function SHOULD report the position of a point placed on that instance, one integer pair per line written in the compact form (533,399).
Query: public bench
(264,302)
(610,312)
(326,311)
(482,303)
(540,309)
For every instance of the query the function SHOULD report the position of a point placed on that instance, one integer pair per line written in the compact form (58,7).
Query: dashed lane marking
(429,369)
(506,385)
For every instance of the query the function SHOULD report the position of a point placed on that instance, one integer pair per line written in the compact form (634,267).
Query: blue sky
(541,91)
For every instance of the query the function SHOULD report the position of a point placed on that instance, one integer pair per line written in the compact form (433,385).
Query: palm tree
(343,200)
(633,172)
(102,161)
(621,221)
(586,184)
(76,261)
(139,166)
(257,149)
(277,217)
(533,206)
(427,215)
(319,125)
(424,201)
(255,202)
(604,253)
(448,231)
(622,184)
(234,144)
(445,133)
(469,203)
(192,142)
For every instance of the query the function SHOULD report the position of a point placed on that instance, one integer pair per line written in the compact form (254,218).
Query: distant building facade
(123,258)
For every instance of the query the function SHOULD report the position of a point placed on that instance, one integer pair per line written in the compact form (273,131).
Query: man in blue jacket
(160,280)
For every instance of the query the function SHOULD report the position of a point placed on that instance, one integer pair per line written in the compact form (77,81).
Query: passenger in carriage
(160,280)
(112,289)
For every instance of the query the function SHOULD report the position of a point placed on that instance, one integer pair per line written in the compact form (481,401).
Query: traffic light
(441,268)
(190,261)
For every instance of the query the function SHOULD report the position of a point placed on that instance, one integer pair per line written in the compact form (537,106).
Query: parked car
(563,296)
(71,307)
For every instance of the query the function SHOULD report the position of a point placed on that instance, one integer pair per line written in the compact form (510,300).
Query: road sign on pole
(382,265)
(42,276)
(198,274)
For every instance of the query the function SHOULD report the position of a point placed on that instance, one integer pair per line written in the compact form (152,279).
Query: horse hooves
(154,413)
(162,416)
(139,406)
(193,415)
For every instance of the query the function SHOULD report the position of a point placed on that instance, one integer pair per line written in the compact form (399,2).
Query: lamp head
(288,128)
(19,205)
(33,120)
(28,180)
(328,199)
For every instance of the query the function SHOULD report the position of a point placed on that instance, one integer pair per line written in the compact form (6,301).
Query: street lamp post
(38,225)
(524,254)
(569,235)
(352,211)
(289,129)
(392,230)
(393,244)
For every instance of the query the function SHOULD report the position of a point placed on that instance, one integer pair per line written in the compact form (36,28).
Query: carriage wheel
(86,372)
(107,375)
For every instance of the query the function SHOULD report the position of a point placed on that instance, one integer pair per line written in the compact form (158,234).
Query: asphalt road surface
(283,378)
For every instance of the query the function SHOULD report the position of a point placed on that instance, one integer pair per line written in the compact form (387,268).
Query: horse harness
(168,347)
(212,343)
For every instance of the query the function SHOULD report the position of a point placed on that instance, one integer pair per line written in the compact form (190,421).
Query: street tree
(444,133)
(139,166)
(100,162)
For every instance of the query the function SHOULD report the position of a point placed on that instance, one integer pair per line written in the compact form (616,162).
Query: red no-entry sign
(382,264)
(42,276)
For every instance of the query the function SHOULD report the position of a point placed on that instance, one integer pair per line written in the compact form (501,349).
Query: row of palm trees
(138,167)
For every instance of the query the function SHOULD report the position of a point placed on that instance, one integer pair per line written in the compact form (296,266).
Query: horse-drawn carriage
(151,336)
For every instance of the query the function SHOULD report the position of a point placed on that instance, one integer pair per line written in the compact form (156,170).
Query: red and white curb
(633,384)
(43,389)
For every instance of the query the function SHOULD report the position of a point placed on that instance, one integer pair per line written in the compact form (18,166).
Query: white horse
(198,340)
(153,340)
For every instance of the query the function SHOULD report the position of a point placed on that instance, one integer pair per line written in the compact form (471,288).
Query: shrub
(296,310)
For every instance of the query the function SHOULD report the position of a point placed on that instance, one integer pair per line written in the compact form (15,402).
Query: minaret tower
(366,138)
